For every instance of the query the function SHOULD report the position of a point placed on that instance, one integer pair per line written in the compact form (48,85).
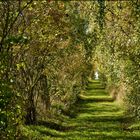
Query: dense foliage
(49,49)
(118,52)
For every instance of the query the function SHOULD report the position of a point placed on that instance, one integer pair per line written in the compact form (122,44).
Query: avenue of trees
(49,49)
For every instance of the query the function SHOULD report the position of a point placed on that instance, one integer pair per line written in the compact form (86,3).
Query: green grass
(97,117)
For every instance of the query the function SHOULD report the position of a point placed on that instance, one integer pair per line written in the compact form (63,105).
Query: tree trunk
(31,110)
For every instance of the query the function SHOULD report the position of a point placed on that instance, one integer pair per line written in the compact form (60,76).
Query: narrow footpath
(97,117)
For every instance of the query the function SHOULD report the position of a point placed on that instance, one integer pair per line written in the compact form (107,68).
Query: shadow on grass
(106,118)
(96,87)
(55,126)
(92,117)
(97,99)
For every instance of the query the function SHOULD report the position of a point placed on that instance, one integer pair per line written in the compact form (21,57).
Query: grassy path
(98,117)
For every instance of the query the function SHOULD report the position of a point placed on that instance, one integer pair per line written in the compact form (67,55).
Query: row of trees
(118,53)
(47,49)
(44,60)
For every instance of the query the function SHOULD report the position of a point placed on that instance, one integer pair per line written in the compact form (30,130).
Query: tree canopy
(50,49)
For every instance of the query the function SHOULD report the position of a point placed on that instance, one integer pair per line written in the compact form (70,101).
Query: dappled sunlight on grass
(97,117)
